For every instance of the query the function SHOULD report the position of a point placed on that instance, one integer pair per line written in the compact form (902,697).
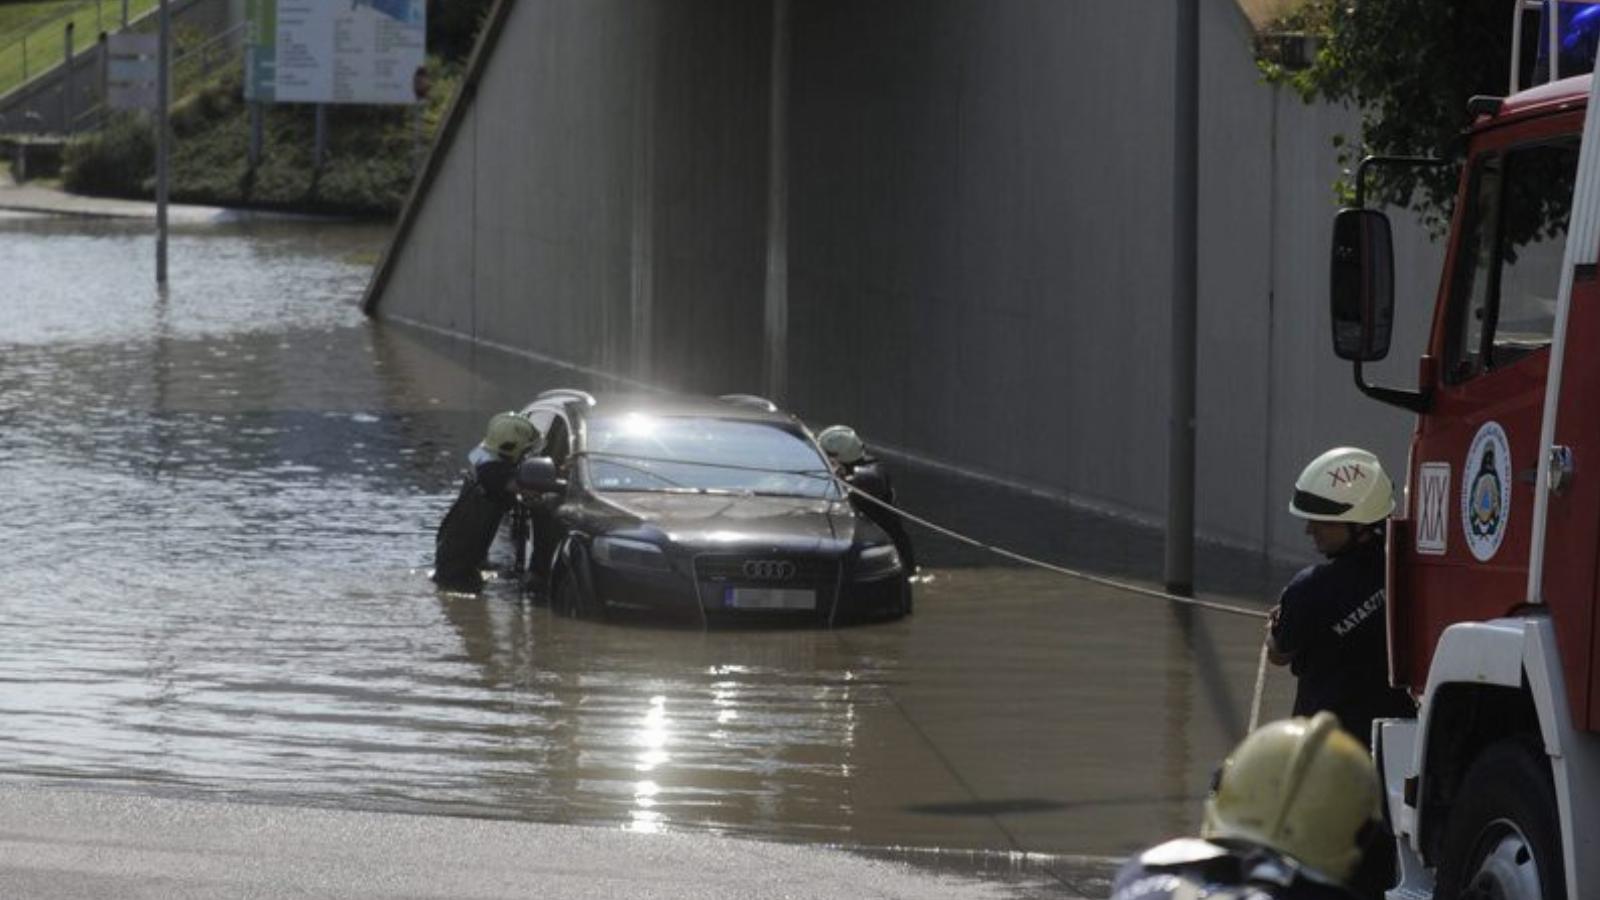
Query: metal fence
(193,67)
(46,42)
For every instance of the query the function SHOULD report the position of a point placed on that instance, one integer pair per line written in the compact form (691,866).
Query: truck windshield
(1508,264)
(639,452)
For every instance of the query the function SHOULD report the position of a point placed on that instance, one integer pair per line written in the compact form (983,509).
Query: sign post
(163,54)
(66,82)
(420,84)
(320,140)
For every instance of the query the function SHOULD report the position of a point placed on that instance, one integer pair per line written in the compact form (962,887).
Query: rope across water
(1152,593)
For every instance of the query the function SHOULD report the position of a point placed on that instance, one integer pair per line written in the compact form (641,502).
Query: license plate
(769,598)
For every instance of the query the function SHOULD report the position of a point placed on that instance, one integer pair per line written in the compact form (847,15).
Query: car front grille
(768,570)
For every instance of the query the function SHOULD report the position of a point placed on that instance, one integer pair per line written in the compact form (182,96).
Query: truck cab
(1494,788)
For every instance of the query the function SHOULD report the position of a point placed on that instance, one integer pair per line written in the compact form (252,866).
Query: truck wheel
(1503,840)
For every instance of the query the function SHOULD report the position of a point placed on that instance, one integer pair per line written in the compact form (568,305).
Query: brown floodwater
(218,515)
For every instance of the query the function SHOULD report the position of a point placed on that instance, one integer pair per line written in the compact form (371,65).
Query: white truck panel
(1500,652)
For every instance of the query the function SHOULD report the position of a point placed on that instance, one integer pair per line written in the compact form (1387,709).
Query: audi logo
(769,569)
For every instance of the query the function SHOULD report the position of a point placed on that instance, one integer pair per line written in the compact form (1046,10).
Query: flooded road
(218,513)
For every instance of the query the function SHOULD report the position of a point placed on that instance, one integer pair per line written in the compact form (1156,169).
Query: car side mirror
(1362,285)
(539,475)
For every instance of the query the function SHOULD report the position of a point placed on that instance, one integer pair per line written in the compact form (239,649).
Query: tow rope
(1152,593)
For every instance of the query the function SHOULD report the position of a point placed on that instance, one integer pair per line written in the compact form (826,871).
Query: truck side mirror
(538,475)
(1362,285)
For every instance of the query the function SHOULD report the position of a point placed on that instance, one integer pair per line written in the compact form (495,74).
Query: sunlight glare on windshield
(638,425)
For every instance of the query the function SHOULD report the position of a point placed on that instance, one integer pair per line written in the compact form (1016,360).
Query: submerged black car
(710,509)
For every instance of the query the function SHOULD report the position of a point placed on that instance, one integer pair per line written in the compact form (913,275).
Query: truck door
(1476,449)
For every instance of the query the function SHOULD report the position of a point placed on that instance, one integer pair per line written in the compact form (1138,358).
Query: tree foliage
(453,26)
(1409,66)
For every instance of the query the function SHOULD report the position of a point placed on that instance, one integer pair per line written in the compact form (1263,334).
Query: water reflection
(221,502)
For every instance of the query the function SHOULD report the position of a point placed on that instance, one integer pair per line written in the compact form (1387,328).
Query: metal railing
(191,70)
(196,65)
(42,44)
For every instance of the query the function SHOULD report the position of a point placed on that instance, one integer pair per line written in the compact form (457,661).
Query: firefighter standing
(487,491)
(1290,817)
(868,475)
(1330,625)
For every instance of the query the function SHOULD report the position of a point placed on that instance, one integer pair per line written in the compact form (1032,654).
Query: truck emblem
(1486,491)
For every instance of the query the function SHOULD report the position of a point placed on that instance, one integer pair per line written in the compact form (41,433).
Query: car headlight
(621,553)
(878,561)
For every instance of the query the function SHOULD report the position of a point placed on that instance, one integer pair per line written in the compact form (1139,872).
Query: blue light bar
(1578,31)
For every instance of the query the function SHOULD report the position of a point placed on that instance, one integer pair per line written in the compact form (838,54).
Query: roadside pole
(320,143)
(255,133)
(420,85)
(775,318)
(66,83)
(1185,292)
(163,139)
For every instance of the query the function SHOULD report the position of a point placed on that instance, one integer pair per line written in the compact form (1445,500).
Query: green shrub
(118,161)
(367,169)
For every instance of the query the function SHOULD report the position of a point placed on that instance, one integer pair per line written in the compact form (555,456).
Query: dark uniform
(869,476)
(469,528)
(1332,620)
(1191,869)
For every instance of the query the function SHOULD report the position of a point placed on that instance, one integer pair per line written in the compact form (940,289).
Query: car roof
(744,407)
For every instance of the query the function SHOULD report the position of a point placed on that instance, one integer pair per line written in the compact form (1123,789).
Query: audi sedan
(706,509)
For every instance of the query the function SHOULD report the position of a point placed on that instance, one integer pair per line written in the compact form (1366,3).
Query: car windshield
(640,452)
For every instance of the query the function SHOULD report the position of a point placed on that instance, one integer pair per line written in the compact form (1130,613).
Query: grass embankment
(367,169)
(32,33)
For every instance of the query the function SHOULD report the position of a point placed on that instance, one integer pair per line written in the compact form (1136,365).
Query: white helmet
(510,435)
(842,443)
(1346,484)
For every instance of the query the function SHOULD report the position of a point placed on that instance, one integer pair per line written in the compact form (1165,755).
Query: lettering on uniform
(1433,508)
(1360,614)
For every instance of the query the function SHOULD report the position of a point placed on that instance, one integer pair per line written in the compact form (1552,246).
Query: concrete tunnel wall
(978,234)
(603,199)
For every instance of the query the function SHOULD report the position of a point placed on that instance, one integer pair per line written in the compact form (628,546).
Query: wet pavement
(219,509)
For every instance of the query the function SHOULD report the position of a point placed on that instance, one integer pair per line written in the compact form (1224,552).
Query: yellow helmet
(1345,484)
(510,435)
(1302,787)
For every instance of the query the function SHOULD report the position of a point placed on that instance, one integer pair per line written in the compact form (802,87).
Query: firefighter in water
(487,492)
(868,475)
(1330,624)
(1291,816)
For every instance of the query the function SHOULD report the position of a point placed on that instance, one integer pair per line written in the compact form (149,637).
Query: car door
(548,527)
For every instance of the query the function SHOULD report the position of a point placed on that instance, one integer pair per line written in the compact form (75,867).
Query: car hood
(709,520)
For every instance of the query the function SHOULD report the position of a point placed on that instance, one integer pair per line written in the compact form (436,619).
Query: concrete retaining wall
(978,229)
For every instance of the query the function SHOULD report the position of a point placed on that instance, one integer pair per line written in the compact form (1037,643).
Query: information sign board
(131,70)
(316,51)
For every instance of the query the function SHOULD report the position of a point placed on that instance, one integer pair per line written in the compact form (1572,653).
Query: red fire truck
(1493,790)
